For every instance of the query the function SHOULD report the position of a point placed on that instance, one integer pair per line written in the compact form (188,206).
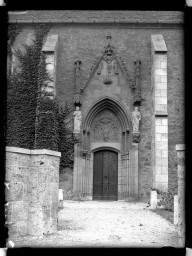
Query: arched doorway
(106,127)
(105,175)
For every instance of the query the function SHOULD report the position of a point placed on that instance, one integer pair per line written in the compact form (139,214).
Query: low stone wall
(33,177)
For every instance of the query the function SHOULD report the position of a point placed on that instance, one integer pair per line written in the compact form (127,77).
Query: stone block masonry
(33,177)
(160,116)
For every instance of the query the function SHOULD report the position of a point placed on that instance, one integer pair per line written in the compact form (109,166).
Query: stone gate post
(180,148)
(33,178)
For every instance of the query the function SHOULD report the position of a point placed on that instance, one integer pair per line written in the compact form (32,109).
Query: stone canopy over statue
(77,120)
(136,117)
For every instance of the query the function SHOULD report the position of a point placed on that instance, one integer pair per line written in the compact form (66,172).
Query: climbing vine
(34,118)
(13,31)
(22,93)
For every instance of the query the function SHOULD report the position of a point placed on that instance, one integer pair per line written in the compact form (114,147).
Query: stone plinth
(33,176)
(153,201)
(180,148)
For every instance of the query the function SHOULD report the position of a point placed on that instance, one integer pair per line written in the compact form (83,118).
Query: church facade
(122,73)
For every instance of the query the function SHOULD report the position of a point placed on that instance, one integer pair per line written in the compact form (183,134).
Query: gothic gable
(107,65)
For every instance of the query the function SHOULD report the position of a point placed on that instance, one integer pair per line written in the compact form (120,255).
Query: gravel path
(107,224)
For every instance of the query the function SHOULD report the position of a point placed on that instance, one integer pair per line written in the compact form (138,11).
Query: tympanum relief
(106,128)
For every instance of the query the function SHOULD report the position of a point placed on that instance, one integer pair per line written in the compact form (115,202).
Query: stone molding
(32,152)
(113,105)
(158,43)
(180,147)
(50,43)
(115,16)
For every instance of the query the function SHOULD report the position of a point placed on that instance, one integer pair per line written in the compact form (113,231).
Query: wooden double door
(105,175)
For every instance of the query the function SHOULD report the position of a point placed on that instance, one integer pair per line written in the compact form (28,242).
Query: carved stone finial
(109,37)
(77,65)
(137,83)
(77,95)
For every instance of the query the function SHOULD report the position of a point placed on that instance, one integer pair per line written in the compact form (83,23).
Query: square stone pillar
(180,148)
(159,113)
(50,51)
(33,177)
(17,176)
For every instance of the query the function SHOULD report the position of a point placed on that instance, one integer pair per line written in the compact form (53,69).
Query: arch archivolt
(106,121)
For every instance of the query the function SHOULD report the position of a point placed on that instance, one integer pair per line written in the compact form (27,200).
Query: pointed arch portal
(105,136)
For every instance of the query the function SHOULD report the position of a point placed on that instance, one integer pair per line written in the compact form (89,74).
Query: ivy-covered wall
(34,121)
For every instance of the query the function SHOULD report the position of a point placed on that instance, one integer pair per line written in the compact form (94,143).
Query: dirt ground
(106,224)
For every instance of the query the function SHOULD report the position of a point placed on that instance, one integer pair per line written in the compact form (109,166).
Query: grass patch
(166,214)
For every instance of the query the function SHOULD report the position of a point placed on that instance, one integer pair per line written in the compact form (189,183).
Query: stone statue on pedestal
(136,117)
(77,120)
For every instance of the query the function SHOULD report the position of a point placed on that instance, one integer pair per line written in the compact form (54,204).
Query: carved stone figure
(77,120)
(136,117)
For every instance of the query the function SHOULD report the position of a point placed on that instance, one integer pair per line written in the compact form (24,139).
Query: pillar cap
(158,43)
(180,147)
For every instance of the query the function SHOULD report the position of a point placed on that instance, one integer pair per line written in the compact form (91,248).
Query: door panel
(105,175)
(97,176)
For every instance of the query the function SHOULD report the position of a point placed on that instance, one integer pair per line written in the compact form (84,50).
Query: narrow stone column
(159,113)
(180,148)
(153,201)
(175,217)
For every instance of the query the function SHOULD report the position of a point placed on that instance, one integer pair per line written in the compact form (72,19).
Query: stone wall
(33,177)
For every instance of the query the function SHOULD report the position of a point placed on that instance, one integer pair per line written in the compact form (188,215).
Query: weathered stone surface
(175,217)
(33,193)
(181,192)
(153,201)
